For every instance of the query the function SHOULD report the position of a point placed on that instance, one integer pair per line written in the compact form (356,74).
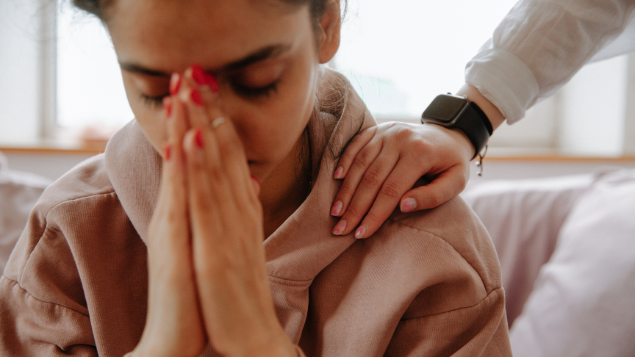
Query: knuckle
(349,154)
(403,134)
(372,218)
(345,192)
(391,190)
(354,213)
(203,206)
(419,147)
(362,159)
(372,178)
(436,198)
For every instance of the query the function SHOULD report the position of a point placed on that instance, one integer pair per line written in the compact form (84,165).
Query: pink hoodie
(426,284)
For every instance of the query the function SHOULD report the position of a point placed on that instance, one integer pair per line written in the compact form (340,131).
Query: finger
(353,179)
(223,146)
(358,142)
(366,192)
(206,193)
(400,180)
(197,89)
(445,186)
(229,145)
(235,162)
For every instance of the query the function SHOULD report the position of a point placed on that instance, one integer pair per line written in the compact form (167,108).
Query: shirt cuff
(504,80)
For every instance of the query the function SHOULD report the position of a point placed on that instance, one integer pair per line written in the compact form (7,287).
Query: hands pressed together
(207,277)
(206,261)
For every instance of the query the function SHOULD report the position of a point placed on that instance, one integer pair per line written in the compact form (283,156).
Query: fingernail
(175,83)
(167,105)
(166,152)
(196,97)
(337,208)
(203,78)
(359,234)
(213,84)
(408,205)
(199,75)
(339,227)
(338,172)
(198,138)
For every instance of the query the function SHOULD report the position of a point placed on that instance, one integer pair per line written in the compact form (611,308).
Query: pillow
(524,217)
(583,301)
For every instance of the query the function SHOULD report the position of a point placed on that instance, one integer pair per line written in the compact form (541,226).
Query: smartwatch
(456,112)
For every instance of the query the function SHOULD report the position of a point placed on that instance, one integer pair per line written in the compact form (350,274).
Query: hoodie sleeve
(479,330)
(455,304)
(42,306)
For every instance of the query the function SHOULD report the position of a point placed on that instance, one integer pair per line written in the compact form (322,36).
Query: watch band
(459,113)
(476,126)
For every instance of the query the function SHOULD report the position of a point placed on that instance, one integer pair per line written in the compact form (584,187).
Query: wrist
(462,141)
(494,115)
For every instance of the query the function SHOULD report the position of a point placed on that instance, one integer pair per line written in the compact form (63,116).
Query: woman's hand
(173,326)
(382,164)
(227,230)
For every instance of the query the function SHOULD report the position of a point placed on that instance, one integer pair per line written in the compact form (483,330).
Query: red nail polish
(213,84)
(167,105)
(198,138)
(196,97)
(199,76)
(175,83)
(166,152)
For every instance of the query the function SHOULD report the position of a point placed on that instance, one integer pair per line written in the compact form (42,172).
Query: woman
(156,247)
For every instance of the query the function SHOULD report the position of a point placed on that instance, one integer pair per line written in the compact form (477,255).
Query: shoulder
(455,226)
(64,207)
(87,179)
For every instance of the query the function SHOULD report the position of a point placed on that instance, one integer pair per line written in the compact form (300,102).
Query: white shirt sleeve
(541,44)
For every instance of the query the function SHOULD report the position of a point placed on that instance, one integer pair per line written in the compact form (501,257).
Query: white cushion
(583,301)
(524,218)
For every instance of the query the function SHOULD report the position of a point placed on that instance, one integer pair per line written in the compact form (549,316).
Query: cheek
(151,119)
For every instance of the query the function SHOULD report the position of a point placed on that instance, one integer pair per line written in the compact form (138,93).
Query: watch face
(444,108)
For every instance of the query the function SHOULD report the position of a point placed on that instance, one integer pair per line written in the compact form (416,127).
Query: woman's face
(262,52)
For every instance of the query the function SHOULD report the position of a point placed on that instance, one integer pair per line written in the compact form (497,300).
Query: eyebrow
(258,56)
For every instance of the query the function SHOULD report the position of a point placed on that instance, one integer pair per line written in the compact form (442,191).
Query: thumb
(443,188)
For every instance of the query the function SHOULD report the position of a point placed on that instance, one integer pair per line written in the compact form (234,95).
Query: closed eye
(153,101)
(255,92)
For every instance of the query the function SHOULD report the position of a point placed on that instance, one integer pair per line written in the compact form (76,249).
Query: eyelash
(152,101)
(245,91)
(255,92)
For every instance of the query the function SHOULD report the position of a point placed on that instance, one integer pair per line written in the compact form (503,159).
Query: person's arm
(540,45)
(537,48)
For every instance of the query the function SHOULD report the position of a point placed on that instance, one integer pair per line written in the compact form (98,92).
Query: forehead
(170,35)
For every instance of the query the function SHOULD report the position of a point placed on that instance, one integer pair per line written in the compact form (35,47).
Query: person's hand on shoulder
(382,164)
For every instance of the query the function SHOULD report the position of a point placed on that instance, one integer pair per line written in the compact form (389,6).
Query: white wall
(19,92)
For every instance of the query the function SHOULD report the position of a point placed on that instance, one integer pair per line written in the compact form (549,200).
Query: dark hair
(96,7)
